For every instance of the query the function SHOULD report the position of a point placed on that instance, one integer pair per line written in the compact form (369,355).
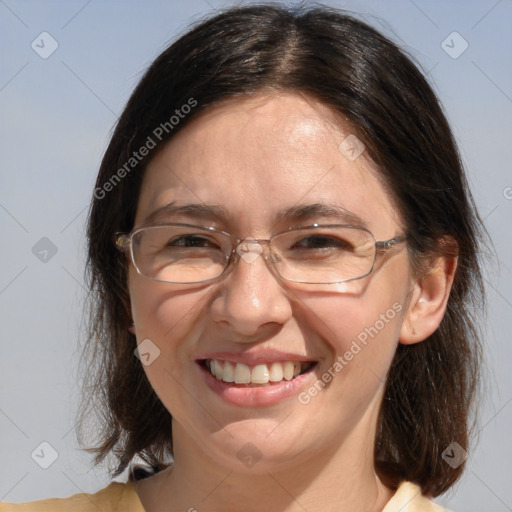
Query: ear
(428,300)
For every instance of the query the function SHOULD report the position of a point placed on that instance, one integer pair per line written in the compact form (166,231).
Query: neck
(342,479)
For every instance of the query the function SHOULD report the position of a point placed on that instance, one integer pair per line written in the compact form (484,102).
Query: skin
(254,157)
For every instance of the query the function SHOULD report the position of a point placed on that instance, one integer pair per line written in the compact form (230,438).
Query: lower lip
(256,396)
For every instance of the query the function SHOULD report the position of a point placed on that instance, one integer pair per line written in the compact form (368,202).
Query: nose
(251,301)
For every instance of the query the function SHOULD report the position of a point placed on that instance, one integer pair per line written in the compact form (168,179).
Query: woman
(283,255)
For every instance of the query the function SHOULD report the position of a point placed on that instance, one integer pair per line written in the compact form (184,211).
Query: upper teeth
(240,373)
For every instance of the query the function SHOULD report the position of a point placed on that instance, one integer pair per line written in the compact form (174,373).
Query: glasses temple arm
(122,241)
(388,244)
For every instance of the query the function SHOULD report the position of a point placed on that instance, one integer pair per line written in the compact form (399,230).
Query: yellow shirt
(119,497)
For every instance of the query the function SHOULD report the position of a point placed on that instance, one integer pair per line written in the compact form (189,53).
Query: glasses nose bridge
(251,240)
(250,249)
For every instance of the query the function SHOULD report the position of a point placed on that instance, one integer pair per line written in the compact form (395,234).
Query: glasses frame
(124,243)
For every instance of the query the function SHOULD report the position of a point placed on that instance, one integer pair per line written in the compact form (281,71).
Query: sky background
(56,116)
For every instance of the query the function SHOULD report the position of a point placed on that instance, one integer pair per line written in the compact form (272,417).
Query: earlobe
(428,301)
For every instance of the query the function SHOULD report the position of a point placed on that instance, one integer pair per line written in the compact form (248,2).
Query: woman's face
(251,165)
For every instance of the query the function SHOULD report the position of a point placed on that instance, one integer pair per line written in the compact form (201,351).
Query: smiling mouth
(257,375)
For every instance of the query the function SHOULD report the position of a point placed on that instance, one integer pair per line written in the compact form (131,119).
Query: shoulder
(408,498)
(116,497)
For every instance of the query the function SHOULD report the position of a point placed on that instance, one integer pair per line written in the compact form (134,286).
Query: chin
(257,447)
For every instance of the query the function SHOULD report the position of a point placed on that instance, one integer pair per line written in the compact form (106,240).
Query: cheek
(361,336)
(159,310)
(355,326)
(167,323)
(361,331)
(167,317)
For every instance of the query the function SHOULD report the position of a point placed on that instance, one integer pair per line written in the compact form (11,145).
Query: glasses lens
(324,254)
(180,253)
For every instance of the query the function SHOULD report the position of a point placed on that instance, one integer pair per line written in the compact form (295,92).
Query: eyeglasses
(315,254)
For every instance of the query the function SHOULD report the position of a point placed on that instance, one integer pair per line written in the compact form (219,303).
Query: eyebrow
(299,213)
(315,210)
(198,210)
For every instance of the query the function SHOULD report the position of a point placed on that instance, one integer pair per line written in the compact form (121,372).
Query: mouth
(259,375)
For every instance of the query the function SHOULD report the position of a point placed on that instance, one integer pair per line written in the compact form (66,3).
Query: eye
(196,241)
(322,242)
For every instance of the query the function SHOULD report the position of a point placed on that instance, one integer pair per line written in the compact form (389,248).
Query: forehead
(257,156)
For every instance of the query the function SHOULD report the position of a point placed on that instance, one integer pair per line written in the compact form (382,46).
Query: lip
(245,395)
(257,357)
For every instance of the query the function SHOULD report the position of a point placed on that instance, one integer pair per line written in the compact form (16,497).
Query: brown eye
(321,242)
(192,241)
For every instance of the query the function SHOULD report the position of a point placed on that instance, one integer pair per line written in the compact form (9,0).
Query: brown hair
(363,76)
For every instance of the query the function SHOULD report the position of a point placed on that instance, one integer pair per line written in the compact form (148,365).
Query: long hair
(375,86)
